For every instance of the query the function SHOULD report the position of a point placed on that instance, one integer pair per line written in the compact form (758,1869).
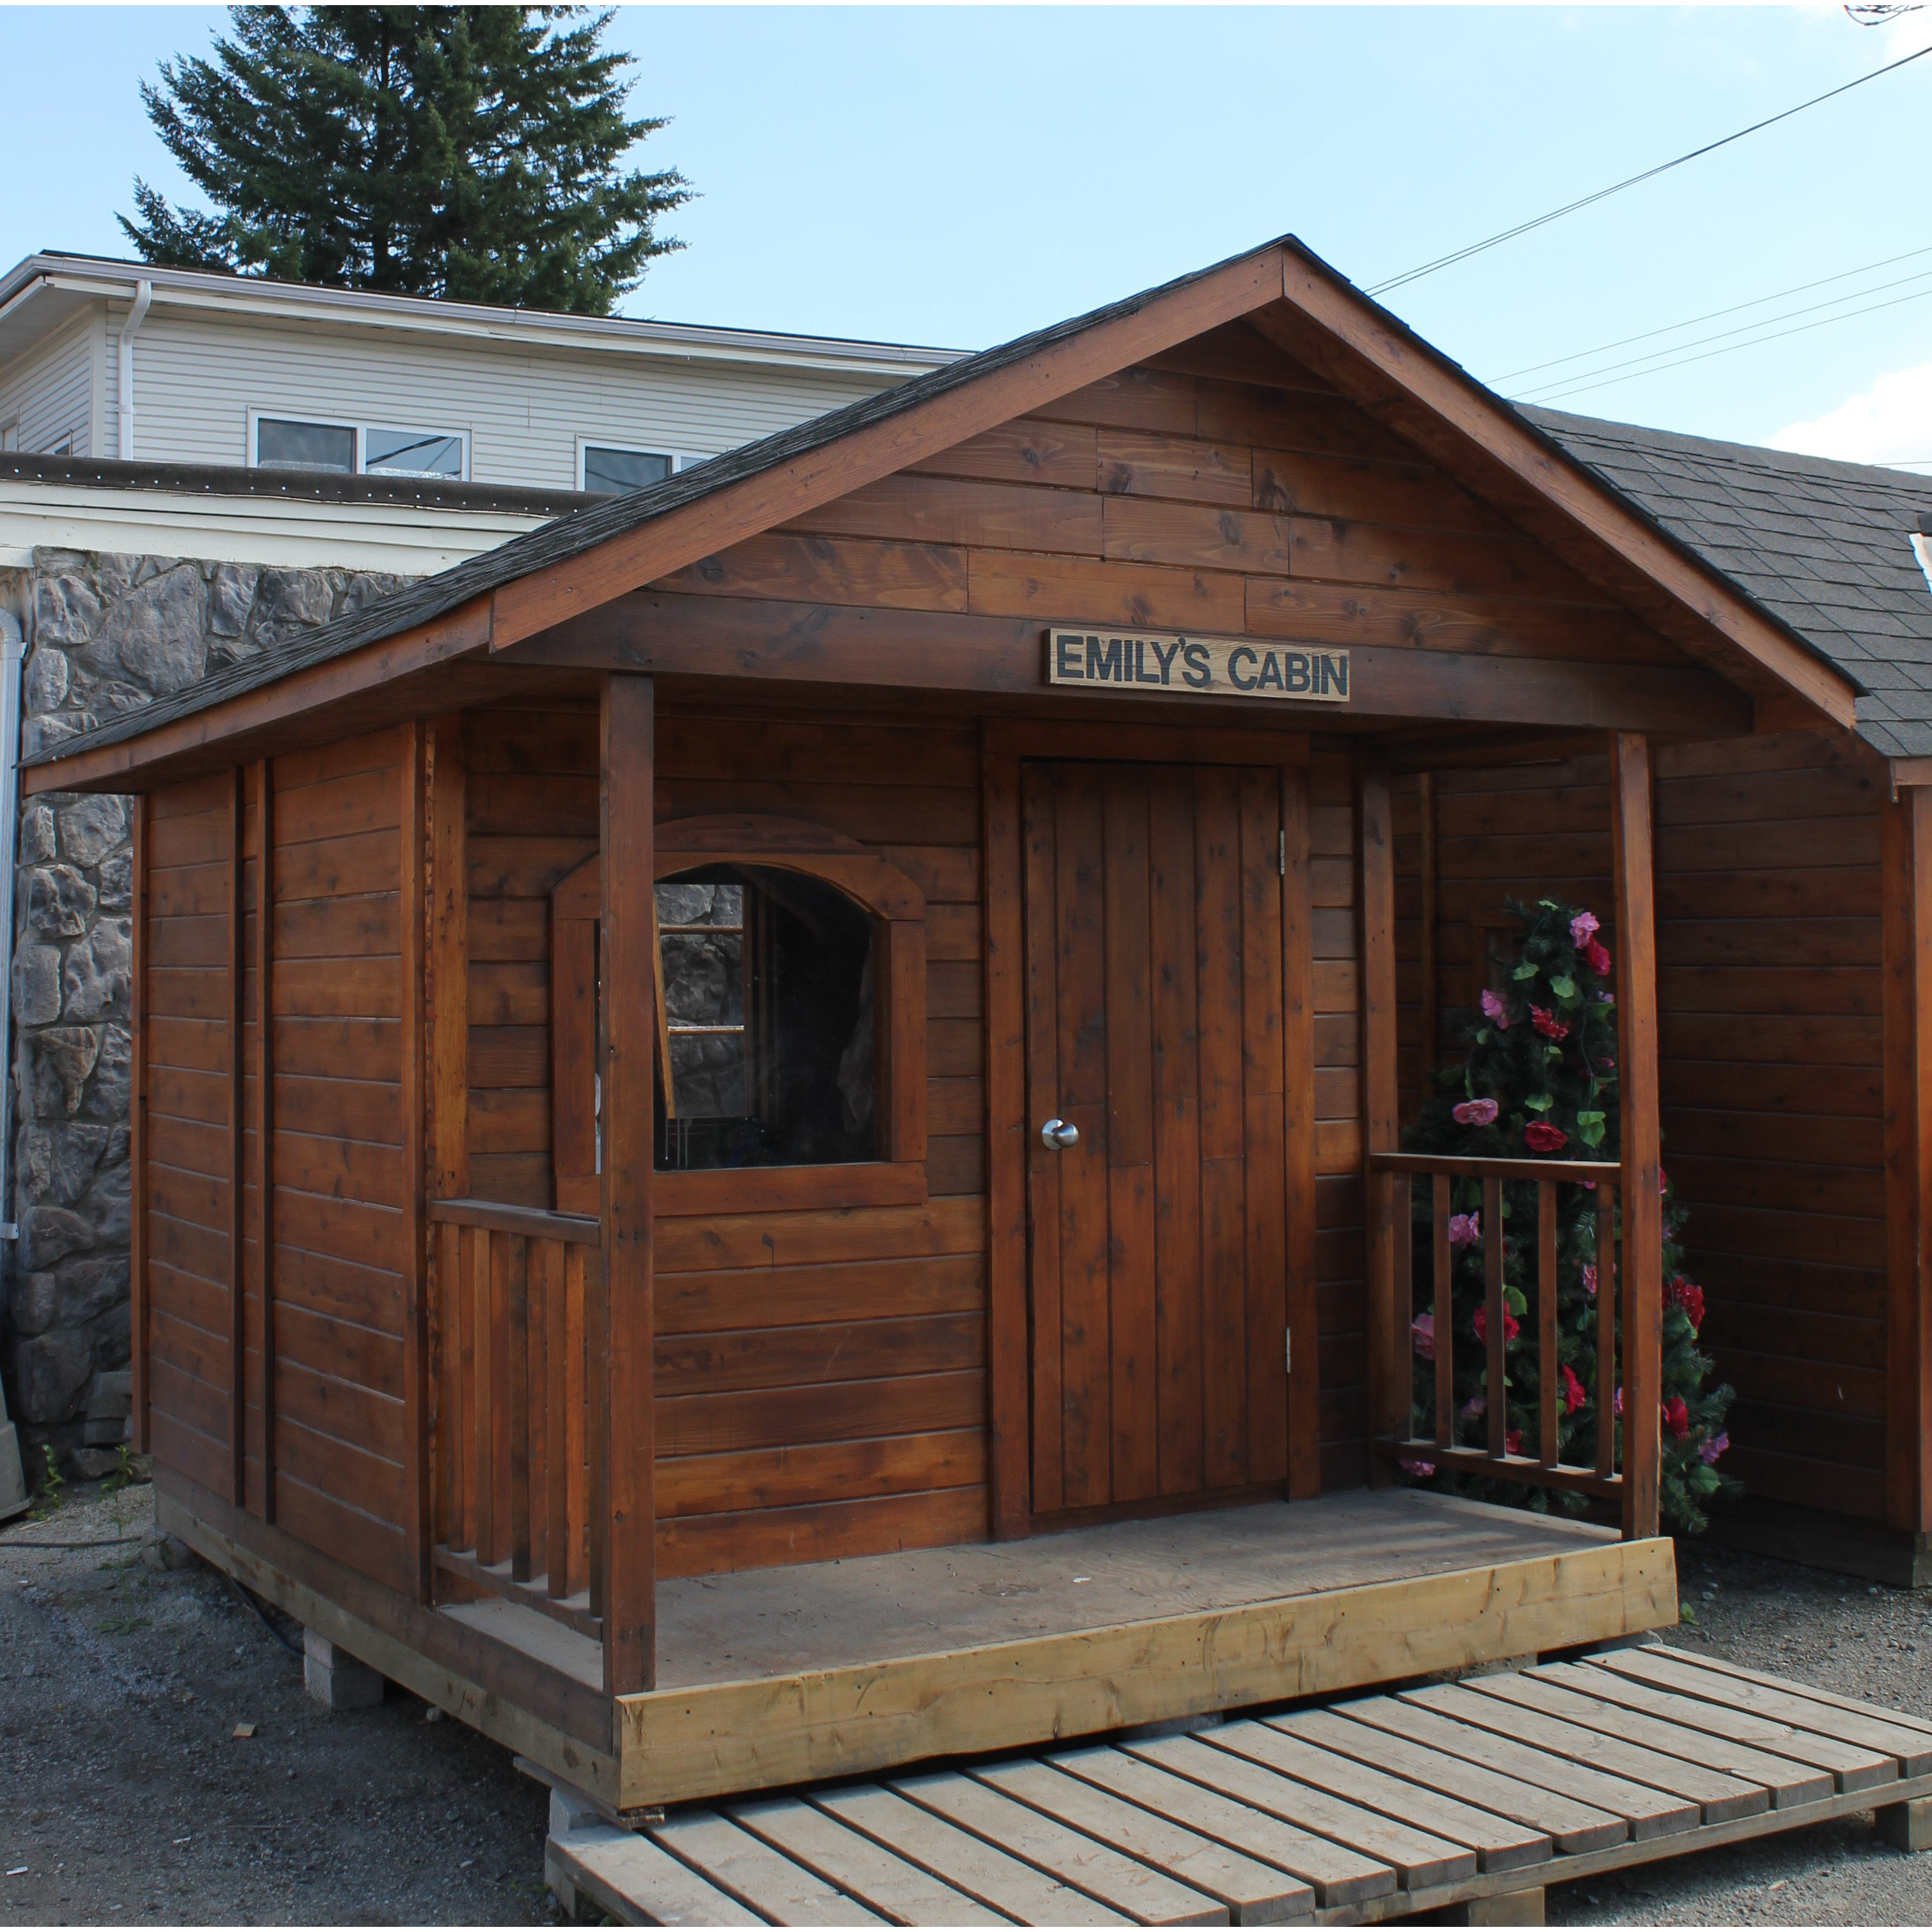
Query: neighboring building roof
(1825,546)
(41,293)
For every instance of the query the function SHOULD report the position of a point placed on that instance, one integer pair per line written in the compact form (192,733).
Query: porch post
(1637,1080)
(629,1048)
(1388,1287)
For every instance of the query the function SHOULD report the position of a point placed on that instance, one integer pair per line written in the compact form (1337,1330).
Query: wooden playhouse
(765,1119)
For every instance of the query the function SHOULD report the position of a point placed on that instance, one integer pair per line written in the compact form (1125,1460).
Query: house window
(611,471)
(293,442)
(10,436)
(768,1021)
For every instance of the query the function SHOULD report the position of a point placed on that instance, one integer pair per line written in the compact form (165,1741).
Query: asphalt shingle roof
(1824,546)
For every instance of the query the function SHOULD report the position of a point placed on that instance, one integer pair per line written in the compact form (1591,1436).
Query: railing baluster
(483,1393)
(1548,1374)
(595,1423)
(1401,1356)
(557,1428)
(1495,1404)
(1607,1328)
(1445,1317)
(536,1405)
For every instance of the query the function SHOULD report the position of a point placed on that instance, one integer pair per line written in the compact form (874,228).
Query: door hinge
(1281,861)
(1287,1351)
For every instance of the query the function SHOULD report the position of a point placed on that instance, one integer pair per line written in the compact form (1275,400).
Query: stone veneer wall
(104,634)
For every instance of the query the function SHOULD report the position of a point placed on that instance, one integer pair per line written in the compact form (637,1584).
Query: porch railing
(517,1457)
(1607,1474)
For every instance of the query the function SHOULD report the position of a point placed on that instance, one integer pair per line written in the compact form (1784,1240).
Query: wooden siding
(1769,984)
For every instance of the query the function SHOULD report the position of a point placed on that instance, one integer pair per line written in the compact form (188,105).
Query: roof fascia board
(667,543)
(1482,427)
(458,633)
(1907,774)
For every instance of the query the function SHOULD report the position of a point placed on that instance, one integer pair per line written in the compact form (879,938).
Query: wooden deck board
(1377,1809)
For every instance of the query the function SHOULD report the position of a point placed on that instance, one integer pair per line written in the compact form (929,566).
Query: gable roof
(1292,296)
(1826,546)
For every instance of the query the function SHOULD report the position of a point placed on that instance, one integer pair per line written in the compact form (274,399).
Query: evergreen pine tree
(1540,1080)
(469,152)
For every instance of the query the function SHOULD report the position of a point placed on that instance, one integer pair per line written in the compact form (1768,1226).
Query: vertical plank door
(1157,1254)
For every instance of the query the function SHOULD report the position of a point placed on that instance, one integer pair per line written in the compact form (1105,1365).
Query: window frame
(360,430)
(679,459)
(897,907)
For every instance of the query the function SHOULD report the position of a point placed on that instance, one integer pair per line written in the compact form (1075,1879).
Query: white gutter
(144,294)
(12,648)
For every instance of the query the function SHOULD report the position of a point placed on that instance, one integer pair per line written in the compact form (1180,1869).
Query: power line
(1710,315)
(1610,381)
(1765,322)
(1648,174)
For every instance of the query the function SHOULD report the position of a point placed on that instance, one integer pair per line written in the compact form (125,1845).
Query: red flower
(1548,1025)
(1677,1417)
(1512,1327)
(1681,1293)
(1540,1137)
(1597,958)
(1574,1397)
(1512,1443)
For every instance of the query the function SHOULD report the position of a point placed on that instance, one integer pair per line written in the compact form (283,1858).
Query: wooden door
(1158,1256)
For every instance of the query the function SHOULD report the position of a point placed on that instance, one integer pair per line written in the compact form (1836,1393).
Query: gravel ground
(128,1799)
(1856,1638)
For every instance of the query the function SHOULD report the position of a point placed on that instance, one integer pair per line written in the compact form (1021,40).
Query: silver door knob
(1058,1135)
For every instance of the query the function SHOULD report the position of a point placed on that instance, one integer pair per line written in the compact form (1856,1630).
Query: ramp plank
(1719,1797)
(1571,1825)
(902,1892)
(1852,1768)
(966,1863)
(639,1884)
(1648,1812)
(1905,1719)
(1499,1844)
(1787,1782)
(1339,1874)
(1254,1894)
(1149,1897)
(1783,1704)
(778,1890)
(1418,1859)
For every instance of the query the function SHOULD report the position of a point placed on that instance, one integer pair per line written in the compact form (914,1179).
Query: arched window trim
(785,845)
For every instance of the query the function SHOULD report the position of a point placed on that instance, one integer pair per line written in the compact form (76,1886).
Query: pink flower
(1512,1327)
(1617,1406)
(1548,1025)
(1677,1417)
(1540,1137)
(1474,1113)
(1494,1009)
(1597,958)
(1590,1269)
(1581,928)
(1714,1446)
(1680,1293)
(1574,1397)
(1472,1410)
(1662,1182)
(1465,1230)
(1512,1443)
(1423,1329)
(1418,1469)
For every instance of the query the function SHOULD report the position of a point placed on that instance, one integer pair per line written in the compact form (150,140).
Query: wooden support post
(238,1164)
(448,964)
(1432,995)
(265,1113)
(1908,1825)
(1297,956)
(1905,892)
(1388,1299)
(1643,1273)
(137,1134)
(629,1050)
(415,912)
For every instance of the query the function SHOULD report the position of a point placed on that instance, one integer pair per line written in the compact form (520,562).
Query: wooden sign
(1189,667)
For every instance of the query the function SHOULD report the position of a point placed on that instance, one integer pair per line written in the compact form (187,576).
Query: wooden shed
(765,1119)
(1794,902)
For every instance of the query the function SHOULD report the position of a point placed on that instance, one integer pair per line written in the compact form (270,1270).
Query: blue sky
(958,176)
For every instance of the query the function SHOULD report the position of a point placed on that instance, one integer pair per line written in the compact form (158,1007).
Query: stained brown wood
(1383,1197)
(264,1175)
(412,772)
(627,926)
(235,1160)
(140,1026)
(448,1089)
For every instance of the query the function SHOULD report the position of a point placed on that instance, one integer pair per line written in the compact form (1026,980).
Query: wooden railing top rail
(1483,1167)
(503,1219)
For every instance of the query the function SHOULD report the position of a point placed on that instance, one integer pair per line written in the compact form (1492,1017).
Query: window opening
(289,442)
(282,445)
(611,472)
(412,452)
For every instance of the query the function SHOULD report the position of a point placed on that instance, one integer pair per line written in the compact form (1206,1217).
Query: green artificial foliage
(471,153)
(1540,1082)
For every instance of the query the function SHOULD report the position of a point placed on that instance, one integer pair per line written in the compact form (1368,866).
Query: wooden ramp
(1370,1809)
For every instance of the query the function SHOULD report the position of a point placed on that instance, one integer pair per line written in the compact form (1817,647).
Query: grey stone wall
(104,634)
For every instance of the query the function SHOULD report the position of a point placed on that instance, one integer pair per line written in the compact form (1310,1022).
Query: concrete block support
(334,1679)
(1909,1826)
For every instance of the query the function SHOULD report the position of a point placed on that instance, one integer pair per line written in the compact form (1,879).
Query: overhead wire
(1648,174)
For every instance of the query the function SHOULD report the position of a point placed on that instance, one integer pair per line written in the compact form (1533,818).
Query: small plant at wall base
(1540,1080)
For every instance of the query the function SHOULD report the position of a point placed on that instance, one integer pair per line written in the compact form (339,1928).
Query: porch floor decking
(811,1617)
(1371,1809)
